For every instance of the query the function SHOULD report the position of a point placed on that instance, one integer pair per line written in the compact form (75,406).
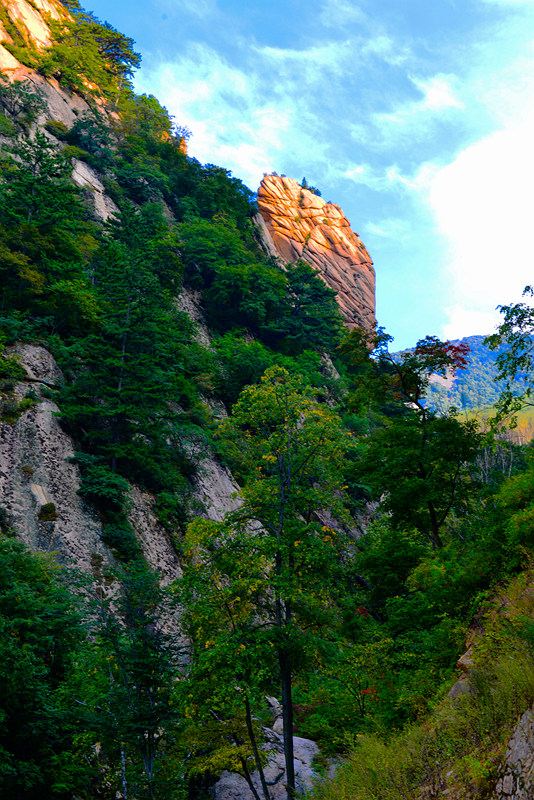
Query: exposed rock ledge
(296,224)
(233,787)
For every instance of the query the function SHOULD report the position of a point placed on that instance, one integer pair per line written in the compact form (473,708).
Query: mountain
(475,387)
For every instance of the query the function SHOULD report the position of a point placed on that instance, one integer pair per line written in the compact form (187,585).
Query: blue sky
(415,116)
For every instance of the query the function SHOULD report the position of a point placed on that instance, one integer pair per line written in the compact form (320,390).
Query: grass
(461,745)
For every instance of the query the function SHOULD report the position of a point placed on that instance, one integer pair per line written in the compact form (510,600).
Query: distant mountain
(474,387)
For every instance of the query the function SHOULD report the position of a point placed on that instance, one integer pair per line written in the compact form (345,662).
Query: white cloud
(483,203)
(197,8)
(340,13)
(413,119)
(329,54)
(465,321)
(387,49)
(391,178)
(438,93)
(389,228)
(239,117)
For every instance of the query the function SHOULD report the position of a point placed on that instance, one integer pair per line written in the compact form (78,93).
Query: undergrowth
(461,745)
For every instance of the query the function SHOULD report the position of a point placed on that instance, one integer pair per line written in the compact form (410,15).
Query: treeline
(284,596)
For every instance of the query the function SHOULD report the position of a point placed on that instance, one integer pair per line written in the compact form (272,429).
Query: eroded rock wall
(295,223)
(39,483)
(36,472)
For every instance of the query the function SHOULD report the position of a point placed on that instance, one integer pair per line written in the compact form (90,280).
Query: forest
(371,530)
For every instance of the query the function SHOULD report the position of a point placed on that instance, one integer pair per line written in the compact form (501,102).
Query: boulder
(234,787)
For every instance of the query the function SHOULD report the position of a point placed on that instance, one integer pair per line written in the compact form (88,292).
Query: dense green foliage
(86,683)
(328,434)
(90,57)
(103,297)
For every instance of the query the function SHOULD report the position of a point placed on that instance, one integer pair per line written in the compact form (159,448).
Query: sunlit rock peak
(30,20)
(298,224)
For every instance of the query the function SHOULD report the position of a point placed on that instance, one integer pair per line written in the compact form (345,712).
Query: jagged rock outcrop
(295,223)
(516,781)
(517,775)
(31,22)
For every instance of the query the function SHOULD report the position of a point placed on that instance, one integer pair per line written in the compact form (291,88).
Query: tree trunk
(246,775)
(255,750)
(287,710)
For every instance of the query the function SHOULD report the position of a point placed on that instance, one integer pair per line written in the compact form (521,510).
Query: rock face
(29,19)
(36,474)
(296,224)
(231,786)
(517,776)
(39,484)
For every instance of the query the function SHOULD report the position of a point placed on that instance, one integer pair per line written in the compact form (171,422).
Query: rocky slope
(296,223)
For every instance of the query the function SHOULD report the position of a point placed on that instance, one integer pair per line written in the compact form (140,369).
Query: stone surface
(154,539)
(215,489)
(31,21)
(233,787)
(35,470)
(28,17)
(294,223)
(516,781)
(84,176)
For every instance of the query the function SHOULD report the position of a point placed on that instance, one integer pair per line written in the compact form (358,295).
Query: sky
(415,116)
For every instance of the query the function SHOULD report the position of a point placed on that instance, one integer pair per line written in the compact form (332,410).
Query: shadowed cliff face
(295,223)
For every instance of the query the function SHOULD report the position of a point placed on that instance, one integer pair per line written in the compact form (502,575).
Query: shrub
(104,487)
(48,513)
(57,128)
(120,537)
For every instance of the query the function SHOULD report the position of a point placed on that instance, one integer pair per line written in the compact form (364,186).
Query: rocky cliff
(35,453)
(296,223)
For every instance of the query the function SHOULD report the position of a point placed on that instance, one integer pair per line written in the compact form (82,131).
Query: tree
(274,550)
(43,235)
(125,683)
(418,459)
(232,659)
(308,315)
(123,402)
(516,361)
(41,634)
(85,51)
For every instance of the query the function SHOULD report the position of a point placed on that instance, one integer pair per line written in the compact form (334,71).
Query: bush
(120,537)
(48,513)
(57,128)
(104,487)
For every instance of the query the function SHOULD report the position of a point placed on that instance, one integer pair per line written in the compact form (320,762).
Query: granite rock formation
(295,223)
